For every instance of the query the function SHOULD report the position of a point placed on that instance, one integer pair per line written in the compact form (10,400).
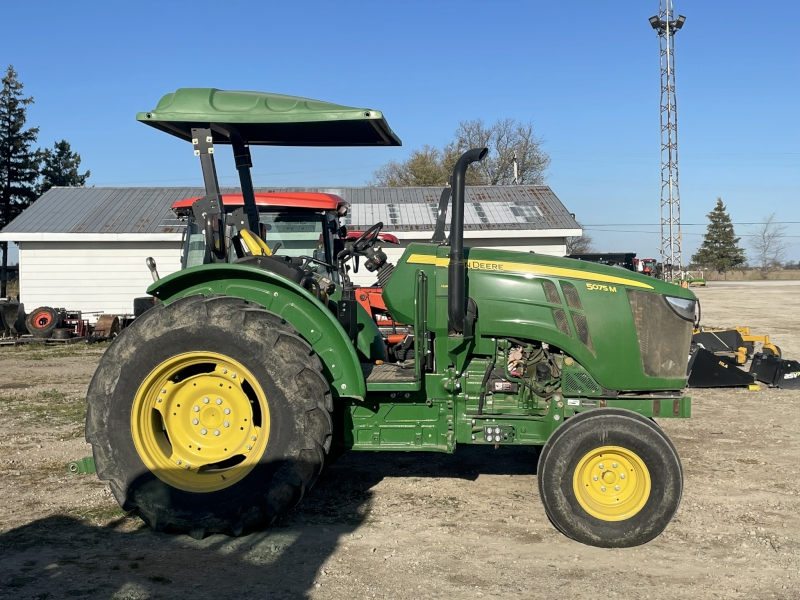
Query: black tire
(20,325)
(281,362)
(142,305)
(60,333)
(42,321)
(576,439)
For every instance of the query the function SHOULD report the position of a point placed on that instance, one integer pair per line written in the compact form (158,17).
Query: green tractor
(216,410)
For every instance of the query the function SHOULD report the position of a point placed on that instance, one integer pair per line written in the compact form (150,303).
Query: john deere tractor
(217,409)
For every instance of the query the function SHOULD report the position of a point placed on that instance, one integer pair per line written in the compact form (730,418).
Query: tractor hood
(265,119)
(592,312)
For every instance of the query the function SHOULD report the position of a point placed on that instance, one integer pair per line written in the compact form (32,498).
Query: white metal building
(85,248)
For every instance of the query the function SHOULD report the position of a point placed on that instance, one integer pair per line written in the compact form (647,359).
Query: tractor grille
(664,338)
(571,294)
(580,384)
(583,331)
(551,292)
(561,320)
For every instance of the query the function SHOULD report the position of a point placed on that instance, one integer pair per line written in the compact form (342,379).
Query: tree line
(27,172)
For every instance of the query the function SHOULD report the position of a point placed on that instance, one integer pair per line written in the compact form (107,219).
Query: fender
(310,317)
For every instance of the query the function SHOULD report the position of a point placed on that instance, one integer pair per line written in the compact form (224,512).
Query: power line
(685,224)
(684,233)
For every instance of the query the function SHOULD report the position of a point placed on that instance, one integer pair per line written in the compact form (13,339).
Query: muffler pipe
(151,264)
(456,293)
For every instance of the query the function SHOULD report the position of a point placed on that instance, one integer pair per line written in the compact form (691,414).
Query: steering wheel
(368,239)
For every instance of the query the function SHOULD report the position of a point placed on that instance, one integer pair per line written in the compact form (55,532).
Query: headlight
(682,307)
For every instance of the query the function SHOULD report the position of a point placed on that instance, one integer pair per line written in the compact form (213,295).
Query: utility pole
(671,242)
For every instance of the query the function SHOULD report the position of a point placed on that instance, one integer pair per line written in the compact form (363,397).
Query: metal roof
(147,210)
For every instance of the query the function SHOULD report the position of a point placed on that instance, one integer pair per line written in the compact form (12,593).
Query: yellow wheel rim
(200,421)
(611,483)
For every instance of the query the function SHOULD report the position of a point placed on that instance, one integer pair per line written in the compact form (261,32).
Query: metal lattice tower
(671,241)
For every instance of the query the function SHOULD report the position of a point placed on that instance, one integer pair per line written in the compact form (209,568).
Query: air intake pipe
(456,285)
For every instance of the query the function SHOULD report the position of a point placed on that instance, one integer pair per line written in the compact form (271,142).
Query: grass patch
(100,514)
(52,395)
(49,407)
(42,351)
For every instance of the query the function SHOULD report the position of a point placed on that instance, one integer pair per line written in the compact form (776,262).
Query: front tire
(209,415)
(610,478)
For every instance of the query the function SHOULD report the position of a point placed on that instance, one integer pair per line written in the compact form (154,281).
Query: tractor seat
(253,244)
(285,266)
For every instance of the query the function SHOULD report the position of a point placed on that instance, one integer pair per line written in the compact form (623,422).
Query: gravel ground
(394,525)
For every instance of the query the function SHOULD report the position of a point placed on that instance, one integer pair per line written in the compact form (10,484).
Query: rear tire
(610,478)
(277,393)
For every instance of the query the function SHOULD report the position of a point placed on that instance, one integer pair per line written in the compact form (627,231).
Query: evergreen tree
(719,250)
(60,168)
(19,163)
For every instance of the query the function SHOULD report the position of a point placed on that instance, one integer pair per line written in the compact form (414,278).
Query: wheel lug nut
(203,431)
(163,390)
(205,400)
(186,467)
(595,478)
(195,421)
(249,447)
(616,487)
(614,465)
(603,489)
(224,371)
(622,476)
(160,400)
(196,409)
(177,462)
(601,466)
(227,411)
(216,432)
(233,376)
(253,438)
(219,400)
(226,424)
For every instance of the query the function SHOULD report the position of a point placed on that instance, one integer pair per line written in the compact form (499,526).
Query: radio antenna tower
(671,238)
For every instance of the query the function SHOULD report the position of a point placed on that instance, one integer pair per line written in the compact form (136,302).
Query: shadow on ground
(62,557)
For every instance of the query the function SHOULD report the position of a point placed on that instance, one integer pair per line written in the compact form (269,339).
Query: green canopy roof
(266,119)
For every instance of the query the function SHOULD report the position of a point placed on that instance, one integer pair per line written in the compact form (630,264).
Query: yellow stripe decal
(525,269)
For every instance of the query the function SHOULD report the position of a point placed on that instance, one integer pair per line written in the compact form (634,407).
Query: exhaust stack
(456,292)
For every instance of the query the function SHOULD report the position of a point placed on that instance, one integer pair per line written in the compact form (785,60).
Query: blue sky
(586,74)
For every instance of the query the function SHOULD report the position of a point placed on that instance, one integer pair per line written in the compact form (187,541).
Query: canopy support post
(241,155)
(208,209)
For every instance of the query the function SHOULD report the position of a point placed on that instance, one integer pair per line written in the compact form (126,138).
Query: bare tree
(768,245)
(505,138)
(432,166)
(579,244)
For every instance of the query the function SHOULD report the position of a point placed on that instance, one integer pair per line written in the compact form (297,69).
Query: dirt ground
(383,525)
